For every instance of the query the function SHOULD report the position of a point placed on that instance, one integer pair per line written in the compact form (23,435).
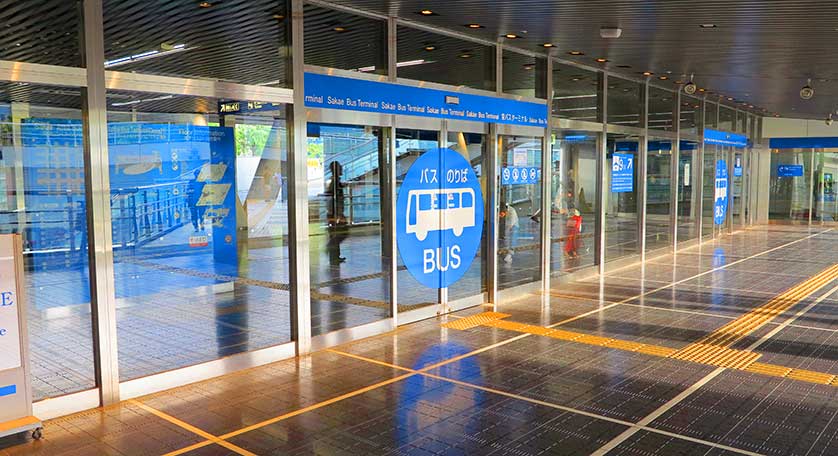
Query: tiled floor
(590,368)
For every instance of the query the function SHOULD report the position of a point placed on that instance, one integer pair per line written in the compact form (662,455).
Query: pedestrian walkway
(730,347)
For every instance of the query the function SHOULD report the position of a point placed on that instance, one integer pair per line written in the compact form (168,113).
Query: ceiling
(761,52)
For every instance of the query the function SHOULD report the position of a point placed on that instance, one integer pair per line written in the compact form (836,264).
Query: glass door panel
(687,191)
(621,182)
(519,243)
(659,178)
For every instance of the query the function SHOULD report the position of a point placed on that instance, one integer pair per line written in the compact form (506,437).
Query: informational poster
(439,218)
(9,327)
(737,166)
(622,173)
(720,202)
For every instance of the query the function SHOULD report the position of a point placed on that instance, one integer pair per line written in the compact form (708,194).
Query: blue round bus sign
(439,218)
(720,202)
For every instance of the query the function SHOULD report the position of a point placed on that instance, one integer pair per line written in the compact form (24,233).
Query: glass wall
(727,119)
(336,39)
(826,171)
(661,109)
(709,189)
(574,204)
(347,170)
(790,185)
(737,180)
(658,191)
(621,184)
(524,75)
(42,153)
(425,56)
(575,93)
(688,193)
(474,147)
(711,115)
(624,99)
(410,144)
(200,228)
(690,115)
(239,41)
(519,233)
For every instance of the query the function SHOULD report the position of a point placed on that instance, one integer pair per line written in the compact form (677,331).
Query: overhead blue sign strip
(8,390)
(334,92)
(724,138)
(803,143)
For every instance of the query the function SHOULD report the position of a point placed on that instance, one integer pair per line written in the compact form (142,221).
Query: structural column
(547,183)
(599,222)
(642,168)
(298,191)
(674,172)
(98,202)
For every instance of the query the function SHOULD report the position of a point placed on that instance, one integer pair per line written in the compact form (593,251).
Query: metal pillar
(547,184)
(642,171)
(698,160)
(98,201)
(298,191)
(493,196)
(442,141)
(674,173)
(811,183)
(599,222)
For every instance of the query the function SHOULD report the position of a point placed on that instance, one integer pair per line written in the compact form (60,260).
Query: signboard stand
(15,385)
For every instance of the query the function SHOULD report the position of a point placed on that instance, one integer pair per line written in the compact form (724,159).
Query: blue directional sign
(721,199)
(520,175)
(439,218)
(737,167)
(622,173)
(724,138)
(789,170)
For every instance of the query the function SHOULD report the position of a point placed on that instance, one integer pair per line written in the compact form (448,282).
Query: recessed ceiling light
(702,89)
(548,45)
(729,98)
(663,78)
(511,36)
(707,26)
(427,12)
(647,73)
(339,29)
(529,66)
(465,55)
(576,53)
(204,4)
(279,17)
(474,26)
(601,60)
(430,47)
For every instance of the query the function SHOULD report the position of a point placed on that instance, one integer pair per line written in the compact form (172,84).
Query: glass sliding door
(519,233)
(574,203)
(708,189)
(658,191)
(621,192)
(789,189)
(688,193)
(474,148)
(737,181)
(826,171)
(410,145)
(347,175)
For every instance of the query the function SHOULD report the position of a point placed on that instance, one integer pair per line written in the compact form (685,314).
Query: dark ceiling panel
(761,52)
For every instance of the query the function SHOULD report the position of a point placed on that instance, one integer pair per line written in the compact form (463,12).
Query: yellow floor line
(474,320)
(190,428)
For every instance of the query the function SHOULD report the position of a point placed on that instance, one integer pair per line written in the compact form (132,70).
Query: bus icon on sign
(439,210)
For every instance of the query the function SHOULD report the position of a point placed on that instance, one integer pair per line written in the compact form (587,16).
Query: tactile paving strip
(474,320)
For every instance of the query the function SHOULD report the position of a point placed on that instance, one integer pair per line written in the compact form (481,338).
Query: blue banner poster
(721,194)
(622,173)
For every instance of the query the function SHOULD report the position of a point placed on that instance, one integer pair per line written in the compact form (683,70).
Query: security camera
(807,92)
(690,88)
(610,32)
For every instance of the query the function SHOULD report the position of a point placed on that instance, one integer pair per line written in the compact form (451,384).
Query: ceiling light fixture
(427,12)
(430,47)
(474,26)
(807,92)
(133,102)
(548,45)
(576,53)
(204,4)
(708,26)
(465,55)
(146,55)
(663,78)
(511,36)
(601,60)
(647,73)
(339,29)
(690,87)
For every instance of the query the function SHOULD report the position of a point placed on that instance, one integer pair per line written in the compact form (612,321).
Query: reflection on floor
(600,366)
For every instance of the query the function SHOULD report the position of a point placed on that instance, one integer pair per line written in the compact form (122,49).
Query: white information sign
(9,327)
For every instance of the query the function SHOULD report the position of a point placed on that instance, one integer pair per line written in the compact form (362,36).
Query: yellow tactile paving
(474,320)
(713,348)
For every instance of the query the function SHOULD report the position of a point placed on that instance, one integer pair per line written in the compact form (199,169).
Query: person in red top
(574,228)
